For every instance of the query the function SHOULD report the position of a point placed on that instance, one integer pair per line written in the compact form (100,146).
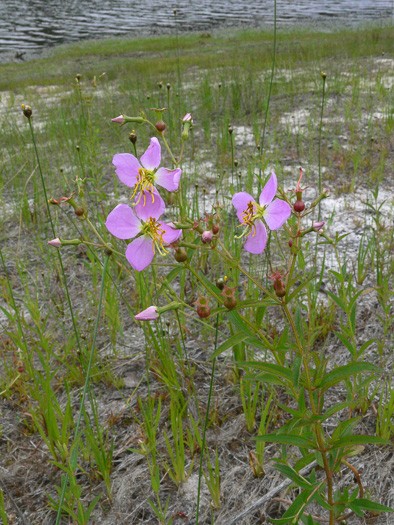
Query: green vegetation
(114,416)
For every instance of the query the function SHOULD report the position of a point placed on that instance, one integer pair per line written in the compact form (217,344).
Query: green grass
(224,81)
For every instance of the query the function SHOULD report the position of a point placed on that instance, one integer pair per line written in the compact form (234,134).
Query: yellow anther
(152,228)
(144,183)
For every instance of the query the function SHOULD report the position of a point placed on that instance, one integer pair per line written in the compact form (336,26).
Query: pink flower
(142,177)
(274,212)
(150,235)
(150,314)
(187,118)
(206,237)
(118,120)
(318,226)
(56,243)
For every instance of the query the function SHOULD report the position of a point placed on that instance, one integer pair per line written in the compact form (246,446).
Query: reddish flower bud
(230,301)
(160,126)
(203,309)
(299,206)
(206,237)
(215,229)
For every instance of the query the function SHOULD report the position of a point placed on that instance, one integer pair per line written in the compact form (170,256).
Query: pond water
(29,26)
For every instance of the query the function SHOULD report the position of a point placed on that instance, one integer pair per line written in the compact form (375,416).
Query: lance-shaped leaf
(340,373)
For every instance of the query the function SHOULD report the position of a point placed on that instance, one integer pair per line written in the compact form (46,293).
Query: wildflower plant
(240,304)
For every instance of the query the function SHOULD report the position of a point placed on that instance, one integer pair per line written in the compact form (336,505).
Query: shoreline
(10,57)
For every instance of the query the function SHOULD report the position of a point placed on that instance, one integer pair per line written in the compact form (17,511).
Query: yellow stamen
(152,228)
(144,183)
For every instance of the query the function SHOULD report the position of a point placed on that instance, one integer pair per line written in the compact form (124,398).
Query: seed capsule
(180,255)
(299,206)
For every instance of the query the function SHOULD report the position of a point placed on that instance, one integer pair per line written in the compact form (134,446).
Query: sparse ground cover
(143,424)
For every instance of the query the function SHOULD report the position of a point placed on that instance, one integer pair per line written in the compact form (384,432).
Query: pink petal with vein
(277,214)
(171,234)
(240,202)
(269,190)
(168,179)
(127,167)
(256,243)
(153,207)
(139,252)
(152,156)
(122,222)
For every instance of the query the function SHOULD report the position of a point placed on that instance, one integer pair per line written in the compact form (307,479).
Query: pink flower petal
(154,206)
(168,179)
(240,202)
(269,190)
(171,234)
(122,222)
(277,214)
(127,167)
(139,252)
(152,156)
(256,243)
(149,314)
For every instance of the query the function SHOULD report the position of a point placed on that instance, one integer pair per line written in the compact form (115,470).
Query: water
(30,26)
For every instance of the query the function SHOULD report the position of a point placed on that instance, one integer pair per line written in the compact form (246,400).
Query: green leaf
(293,475)
(337,301)
(298,289)
(347,441)
(366,504)
(270,368)
(353,318)
(234,340)
(347,343)
(340,373)
(287,439)
(298,323)
(296,370)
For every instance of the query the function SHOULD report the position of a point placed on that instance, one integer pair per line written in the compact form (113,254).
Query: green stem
(85,390)
(206,422)
(320,133)
(270,88)
(54,235)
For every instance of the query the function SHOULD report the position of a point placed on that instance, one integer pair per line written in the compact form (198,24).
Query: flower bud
(79,211)
(119,120)
(279,285)
(220,283)
(230,130)
(132,137)
(168,86)
(27,111)
(56,243)
(187,123)
(206,237)
(290,243)
(180,255)
(318,226)
(215,229)
(150,314)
